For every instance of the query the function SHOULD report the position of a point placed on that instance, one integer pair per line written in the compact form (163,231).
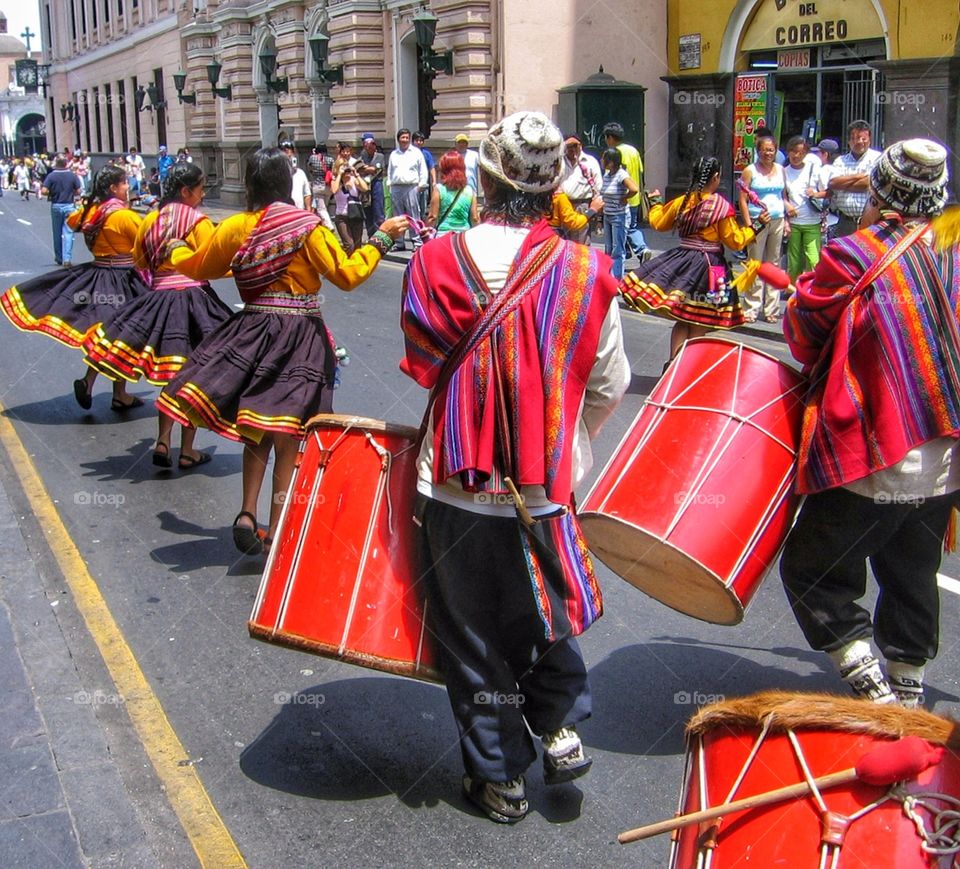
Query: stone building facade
(507,54)
(22,123)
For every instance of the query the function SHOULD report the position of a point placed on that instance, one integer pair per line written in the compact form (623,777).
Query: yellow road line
(204,827)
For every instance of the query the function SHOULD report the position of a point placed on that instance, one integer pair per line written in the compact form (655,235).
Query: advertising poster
(749,113)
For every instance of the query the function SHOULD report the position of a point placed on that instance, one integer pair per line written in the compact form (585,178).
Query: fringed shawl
(544,352)
(274,241)
(173,224)
(708,211)
(889,378)
(96,219)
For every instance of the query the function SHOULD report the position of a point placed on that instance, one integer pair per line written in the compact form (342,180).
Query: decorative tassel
(950,541)
(946,228)
(749,274)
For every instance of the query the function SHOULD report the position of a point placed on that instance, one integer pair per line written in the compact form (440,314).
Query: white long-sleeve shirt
(407,168)
(493,248)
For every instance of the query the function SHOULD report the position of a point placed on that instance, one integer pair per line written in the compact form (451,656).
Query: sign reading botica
(797,23)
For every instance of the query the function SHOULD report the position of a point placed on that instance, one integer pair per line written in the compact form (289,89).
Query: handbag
(817,204)
(561,587)
(354,209)
(643,214)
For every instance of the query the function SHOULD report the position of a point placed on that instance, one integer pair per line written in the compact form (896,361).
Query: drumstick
(776,277)
(880,766)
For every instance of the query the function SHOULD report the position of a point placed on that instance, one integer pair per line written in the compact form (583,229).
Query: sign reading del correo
(796,23)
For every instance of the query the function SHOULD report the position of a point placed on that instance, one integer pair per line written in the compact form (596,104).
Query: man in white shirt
(302,193)
(407,175)
(471,159)
(581,182)
(850,184)
(135,170)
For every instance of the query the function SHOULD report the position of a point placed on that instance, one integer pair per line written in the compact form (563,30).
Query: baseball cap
(829,145)
(286,145)
(572,137)
(366,137)
(461,137)
(163,148)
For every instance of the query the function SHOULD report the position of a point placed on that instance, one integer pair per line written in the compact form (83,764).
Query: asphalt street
(307,761)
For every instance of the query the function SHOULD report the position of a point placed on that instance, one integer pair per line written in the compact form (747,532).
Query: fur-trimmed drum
(696,501)
(747,746)
(341,580)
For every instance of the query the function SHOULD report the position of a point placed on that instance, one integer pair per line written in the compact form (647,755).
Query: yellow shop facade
(807,67)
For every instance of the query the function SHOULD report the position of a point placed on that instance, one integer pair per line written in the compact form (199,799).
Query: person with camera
(348,189)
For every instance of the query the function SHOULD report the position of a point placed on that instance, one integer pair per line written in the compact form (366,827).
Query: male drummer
(552,371)
(878,455)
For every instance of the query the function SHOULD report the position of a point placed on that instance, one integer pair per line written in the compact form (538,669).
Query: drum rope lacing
(942,839)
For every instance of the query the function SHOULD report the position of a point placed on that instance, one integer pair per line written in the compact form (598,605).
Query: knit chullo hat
(911,177)
(525,151)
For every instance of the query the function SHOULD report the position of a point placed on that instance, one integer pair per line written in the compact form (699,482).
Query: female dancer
(68,304)
(261,375)
(692,283)
(152,336)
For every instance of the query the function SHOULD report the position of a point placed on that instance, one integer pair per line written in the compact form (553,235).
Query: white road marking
(10,274)
(24,222)
(948,583)
(238,304)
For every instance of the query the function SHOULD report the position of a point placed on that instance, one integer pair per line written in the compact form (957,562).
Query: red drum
(341,577)
(748,746)
(696,501)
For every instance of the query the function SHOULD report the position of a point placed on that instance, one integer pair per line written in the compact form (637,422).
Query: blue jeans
(635,238)
(62,234)
(615,240)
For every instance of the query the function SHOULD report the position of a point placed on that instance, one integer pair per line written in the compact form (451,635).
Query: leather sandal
(161,455)
(248,540)
(188,463)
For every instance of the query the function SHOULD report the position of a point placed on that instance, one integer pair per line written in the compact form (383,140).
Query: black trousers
(823,568)
(501,671)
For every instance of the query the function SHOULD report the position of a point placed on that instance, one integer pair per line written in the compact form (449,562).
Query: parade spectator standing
(826,151)
(630,158)
(453,204)
(616,188)
(318,172)
(302,193)
(875,325)
(581,182)
(471,159)
(183,155)
(850,184)
(418,142)
(763,187)
(164,162)
(803,244)
(348,189)
(21,177)
(135,169)
(62,188)
(372,168)
(407,175)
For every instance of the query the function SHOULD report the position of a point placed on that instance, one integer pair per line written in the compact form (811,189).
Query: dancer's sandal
(188,463)
(161,455)
(123,406)
(248,540)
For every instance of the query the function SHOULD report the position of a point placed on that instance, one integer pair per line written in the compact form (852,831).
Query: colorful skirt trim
(153,336)
(67,304)
(675,285)
(258,373)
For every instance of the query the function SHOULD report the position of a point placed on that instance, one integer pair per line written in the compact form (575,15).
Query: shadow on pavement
(359,739)
(64,410)
(644,694)
(206,547)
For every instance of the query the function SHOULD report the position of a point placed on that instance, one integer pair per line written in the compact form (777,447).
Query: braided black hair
(100,189)
(703,170)
(182,176)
